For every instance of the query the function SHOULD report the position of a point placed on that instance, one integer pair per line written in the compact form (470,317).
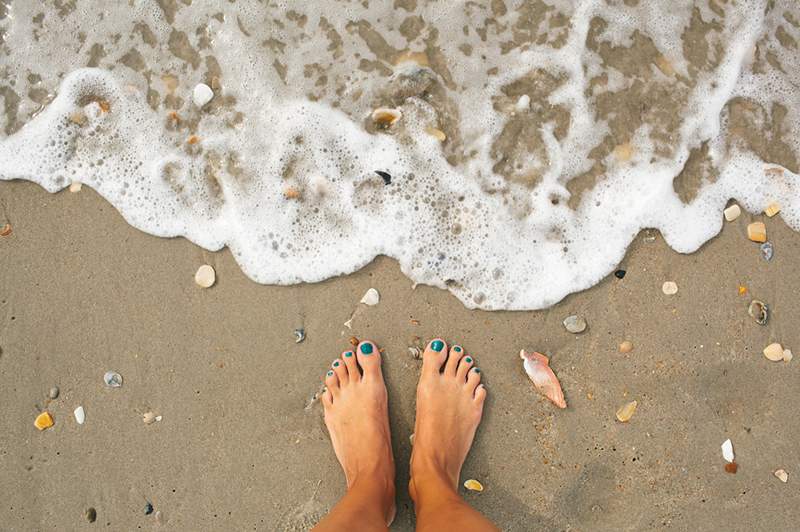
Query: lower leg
(439,506)
(367,506)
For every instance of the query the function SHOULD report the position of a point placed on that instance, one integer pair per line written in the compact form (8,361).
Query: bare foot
(449,407)
(357,417)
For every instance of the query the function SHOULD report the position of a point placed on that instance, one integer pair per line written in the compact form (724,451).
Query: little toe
(327,398)
(464,367)
(353,373)
(369,358)
(434,356)
(480,394)
(341,371)
(332,382)
(473,379)
(453,358)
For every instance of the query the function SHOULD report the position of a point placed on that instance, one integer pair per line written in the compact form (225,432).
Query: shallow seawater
(536,138)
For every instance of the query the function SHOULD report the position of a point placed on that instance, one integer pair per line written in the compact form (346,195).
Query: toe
(339,368)
(453,358)
(480,394)
(369,358)
(473,379)
(332,382)
(327,398)
(353,373)
(434,356)
(464,367)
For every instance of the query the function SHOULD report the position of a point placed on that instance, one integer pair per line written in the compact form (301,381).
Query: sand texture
(237,449)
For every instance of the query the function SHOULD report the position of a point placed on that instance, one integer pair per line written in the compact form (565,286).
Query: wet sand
(83,292)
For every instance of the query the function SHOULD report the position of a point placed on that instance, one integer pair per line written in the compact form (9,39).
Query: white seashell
(80,415)
(205,276)
(781,475)
(787,355)
(112,379)
(371,298)
(202,94)
(774,352)
(669,288)
(727,450)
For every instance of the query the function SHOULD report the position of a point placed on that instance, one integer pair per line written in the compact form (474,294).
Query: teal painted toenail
(366,349)
(336,364)
(476,370)
(348,354)
(437,345)
(457,349)
(330,374)
(468,360)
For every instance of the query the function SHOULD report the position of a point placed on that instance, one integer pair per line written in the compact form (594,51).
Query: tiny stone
(91,515)
(669,288)
(625,412)
(53,393)
(731,468)
(75,186)
(575,324)
(757,232)
(205,276)
(523,104)
(732,212)
(620,274)
(112,379)
(767,251)
(353,341)
(43,421)
(202,94)
(148,508)
(782,475)
(625,347)
(299,335)
(787,355)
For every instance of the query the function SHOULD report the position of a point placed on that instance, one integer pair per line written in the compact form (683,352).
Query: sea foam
(637,115)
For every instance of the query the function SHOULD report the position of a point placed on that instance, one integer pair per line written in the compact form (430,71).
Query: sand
(83,292)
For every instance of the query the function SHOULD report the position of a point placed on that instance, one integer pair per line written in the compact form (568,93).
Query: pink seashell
(537,366)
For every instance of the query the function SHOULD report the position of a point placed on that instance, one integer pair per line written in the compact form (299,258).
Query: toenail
(366,349)
(457,349)
(330,374)
(336,364)
(468,360)
(476,370)
(437,345)
(348,354)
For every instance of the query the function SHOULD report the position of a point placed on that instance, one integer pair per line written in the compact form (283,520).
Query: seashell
(732,212)
(625,347)
(299,335)
(767,251)
(625,412)
(537,366)
(80,415)
(759,311)
(5,230)
(669,288)
(772,209)
(787,355)
(202,94)
(727,450)
(757,232)
(415,352)
(385,117)
(205,276)
(112,379)
(75,186)
(473,485)
(149,418)
(575,324)
(43,421)
(386,176)
(774,352)
(781,475)
(438,134)
(371,297)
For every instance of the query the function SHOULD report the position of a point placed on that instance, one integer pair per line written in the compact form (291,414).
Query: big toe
(434,356)
(369,358)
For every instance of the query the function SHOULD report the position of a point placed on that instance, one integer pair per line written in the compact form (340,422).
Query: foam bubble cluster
(535,139)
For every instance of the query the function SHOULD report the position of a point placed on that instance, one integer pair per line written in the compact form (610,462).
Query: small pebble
(371,298)
(91,515)
(732,468)
(669,288)
(767,251)
(53,393)
(523,104)
(774,352)
(75,186)
(353,341)
(205,276)
(299,335)
(732,212)
(148,508)
(43,421)
(202,94)
(620,274)
(625,412)
(781,475)
(112,379)
(575,324)
(625,347)
(80,415)
(787,355)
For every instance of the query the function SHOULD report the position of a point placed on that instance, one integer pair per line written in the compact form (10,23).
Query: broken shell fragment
(438,134)
(759,311)
(112,379)
(727,450)
(781,475)
(537,366)
(80,415)
(371,297)
(299,335)
(757,232)
(43,421)
(732,212)
(774,352)
(767,251)
(772,209)
(669,288)
(5,230)
(523,104)
(473,485)
(787,355)
(149,418)
(625,412)
(205,276)
(625,347)
(575,324)
(202,94)
(385,117)
(75,186)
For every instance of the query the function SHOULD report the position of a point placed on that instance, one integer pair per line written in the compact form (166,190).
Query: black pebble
(386,176)
(148,509)
(620,274)
(91,515)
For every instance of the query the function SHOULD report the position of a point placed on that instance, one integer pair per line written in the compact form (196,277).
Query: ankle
(375,491)
(431,486)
